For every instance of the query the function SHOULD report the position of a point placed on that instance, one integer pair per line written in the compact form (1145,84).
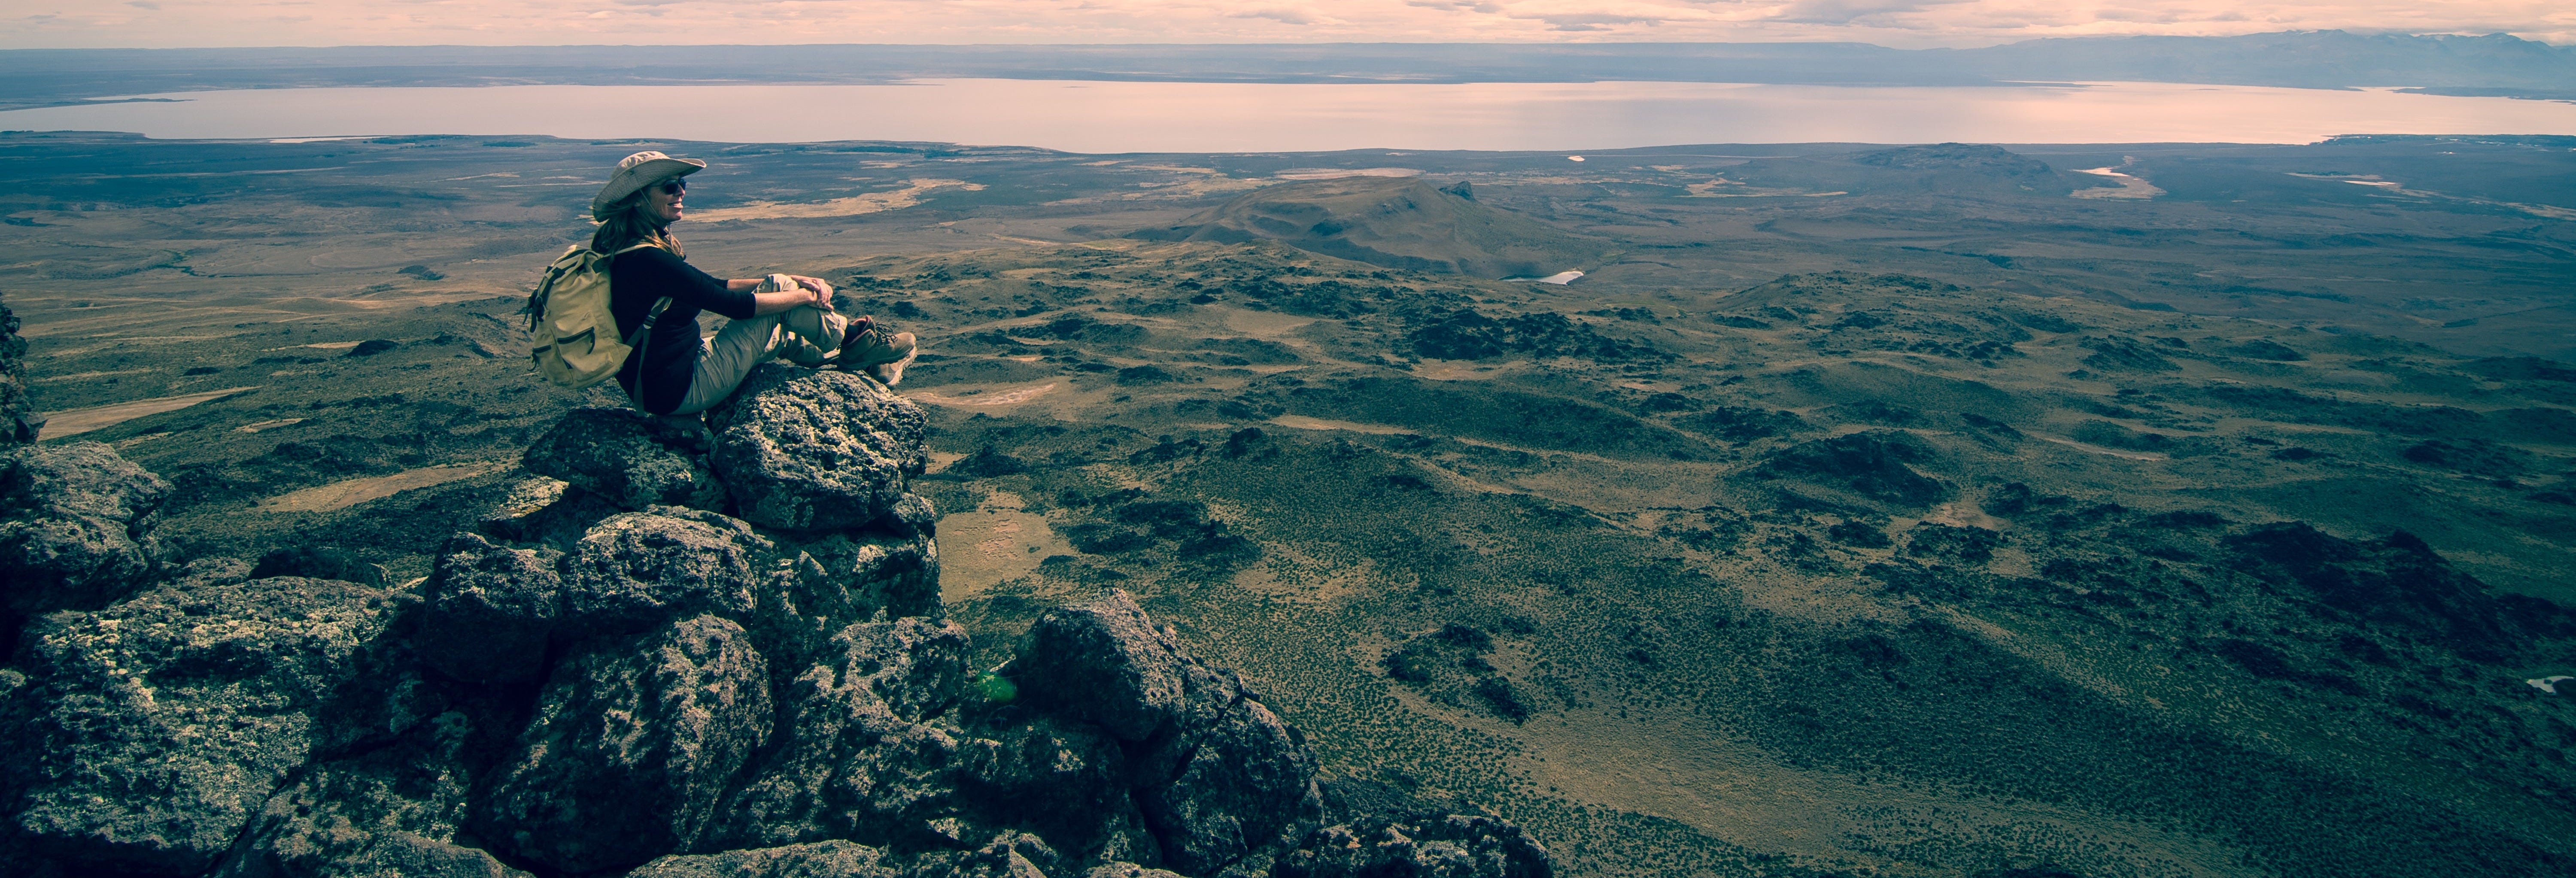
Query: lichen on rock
(488,611)
(151,731)
(75,529)
(638,569)
(1219,777)
(632,747)
(633,459)
(803,450)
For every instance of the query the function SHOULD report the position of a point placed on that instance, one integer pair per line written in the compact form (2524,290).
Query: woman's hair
(628,225)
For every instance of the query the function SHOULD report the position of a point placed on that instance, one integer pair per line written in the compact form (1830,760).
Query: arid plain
(1946,510)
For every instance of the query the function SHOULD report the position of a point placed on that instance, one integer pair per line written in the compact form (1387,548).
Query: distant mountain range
(2495,64)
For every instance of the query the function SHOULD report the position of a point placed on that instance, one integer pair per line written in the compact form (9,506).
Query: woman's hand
(822,290)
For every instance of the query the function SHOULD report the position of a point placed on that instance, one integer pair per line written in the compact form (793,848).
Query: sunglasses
(672,187)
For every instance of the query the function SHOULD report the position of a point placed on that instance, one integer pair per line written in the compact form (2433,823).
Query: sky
(1901,23)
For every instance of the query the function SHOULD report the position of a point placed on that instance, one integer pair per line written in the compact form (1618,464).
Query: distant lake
(1110,117)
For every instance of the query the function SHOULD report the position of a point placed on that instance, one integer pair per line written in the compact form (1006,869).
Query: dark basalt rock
(390,812)
(1454,846)
(150,732)
(1226,779)
(1107,663)
(488,611)
(75,523)
(822,859)
(855,758)
(19,422)
(802,450)
(630,458)
(632,747)
(319,562)
(1062,779)
(639,569)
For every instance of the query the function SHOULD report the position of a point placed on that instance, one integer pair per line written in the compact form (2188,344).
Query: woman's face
(662,200)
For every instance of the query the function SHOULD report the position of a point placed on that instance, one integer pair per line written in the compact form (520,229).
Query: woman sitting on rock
(672,370)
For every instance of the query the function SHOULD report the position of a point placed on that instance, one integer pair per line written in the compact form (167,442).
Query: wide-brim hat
(636,172)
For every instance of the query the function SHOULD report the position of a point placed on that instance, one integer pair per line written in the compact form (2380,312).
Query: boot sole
(891,374)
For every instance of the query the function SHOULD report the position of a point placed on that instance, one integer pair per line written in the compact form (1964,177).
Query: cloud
(1853,11)
(1580,22)
(1902,23)
(1283,16)
(1488,8)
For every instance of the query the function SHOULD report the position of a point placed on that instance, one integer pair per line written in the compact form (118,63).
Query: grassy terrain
(1942,527)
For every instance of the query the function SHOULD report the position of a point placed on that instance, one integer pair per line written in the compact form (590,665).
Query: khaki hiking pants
(801,335)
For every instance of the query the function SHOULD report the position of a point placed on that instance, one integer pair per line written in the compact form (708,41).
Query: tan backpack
(577,344)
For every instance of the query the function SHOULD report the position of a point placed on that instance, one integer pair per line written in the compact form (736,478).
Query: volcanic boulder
(633,459)
(387,812)
(633,745)
(1451,845)
(488,611)
(19,422)
(75,523)
(809,451)
(856,758)
(636,570)
(1222,777)
(150,732)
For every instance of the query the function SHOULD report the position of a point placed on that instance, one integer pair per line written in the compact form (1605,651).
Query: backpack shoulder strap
(646,328)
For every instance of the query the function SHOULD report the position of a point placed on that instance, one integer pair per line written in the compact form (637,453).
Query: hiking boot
(880,354)
(891,374)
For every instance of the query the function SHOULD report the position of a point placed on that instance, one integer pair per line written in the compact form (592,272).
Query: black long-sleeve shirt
(635,281)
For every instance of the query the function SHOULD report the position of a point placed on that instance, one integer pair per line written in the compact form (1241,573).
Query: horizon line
(1239,44)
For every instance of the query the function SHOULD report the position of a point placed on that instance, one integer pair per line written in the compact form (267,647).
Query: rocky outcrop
(147,734)
(1872,465)
(19,422)
(759,679)
(823,859)
(1443,846)
(805,451)
(630,458)
(75,525)
(857,758)
(1222,778)
(489,610)
(633,745)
